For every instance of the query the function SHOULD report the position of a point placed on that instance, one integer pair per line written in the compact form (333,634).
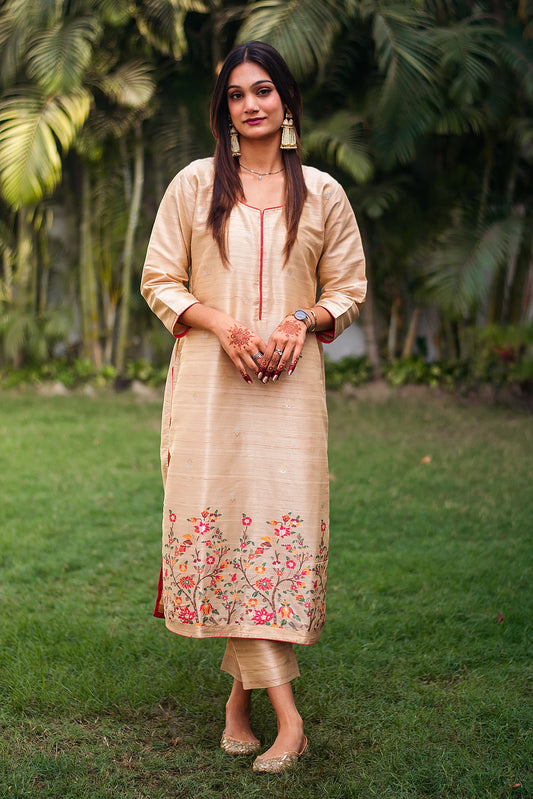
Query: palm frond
(457,121)
(302,30)
(12,49)
(522,129)
(342,143)
(30,16)
(21,334)
(131,84)
(408,60)
(58,57)
(468,54)
(31,125)
(518,57)
(114,12)
(375,199)
(460,272)
(161,23)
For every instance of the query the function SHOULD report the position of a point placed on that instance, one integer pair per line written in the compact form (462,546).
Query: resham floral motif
(269,580)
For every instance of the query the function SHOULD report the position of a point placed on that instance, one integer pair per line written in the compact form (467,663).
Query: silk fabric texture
(245,470)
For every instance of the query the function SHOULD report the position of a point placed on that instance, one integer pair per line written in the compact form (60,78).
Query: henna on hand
(291,328)
(240,337)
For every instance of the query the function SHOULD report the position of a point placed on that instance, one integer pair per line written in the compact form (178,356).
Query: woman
(241,246)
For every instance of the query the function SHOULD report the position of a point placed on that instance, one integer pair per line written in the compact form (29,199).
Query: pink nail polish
(289,373)
(259,375)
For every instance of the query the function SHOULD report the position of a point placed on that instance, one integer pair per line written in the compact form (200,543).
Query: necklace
(261,175)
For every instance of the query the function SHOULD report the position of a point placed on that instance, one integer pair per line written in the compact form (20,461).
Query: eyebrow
(235,86)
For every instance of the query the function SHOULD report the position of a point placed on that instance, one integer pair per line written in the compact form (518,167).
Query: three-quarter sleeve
(341,269)
(165,277)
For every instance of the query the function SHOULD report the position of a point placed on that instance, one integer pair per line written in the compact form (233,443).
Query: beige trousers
(260,663)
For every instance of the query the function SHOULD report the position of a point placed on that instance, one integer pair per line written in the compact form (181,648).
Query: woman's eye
(235,96)
(264,91)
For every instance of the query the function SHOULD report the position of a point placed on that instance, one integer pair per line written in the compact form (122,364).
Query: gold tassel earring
(288,133)
(234,138)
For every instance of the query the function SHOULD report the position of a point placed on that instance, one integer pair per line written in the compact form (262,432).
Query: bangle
(315,323)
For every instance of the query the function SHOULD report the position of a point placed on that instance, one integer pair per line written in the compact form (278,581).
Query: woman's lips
(255,121)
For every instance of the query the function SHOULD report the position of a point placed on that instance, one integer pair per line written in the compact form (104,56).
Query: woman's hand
(241,344)
(283,350)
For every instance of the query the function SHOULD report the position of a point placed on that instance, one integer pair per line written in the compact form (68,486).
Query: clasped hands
(282,351)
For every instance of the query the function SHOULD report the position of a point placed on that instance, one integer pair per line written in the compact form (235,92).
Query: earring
(234,138)
(288,133)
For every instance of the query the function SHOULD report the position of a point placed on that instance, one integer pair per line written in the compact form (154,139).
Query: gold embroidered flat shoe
(279,763)
(232,746)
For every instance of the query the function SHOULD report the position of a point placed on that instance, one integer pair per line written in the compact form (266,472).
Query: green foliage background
(423,110)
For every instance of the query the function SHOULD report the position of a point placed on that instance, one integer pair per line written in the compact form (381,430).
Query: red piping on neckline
(261,210)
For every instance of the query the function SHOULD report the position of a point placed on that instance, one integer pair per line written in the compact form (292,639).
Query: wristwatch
(302,316)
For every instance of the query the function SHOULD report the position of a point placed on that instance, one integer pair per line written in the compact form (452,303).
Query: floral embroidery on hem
(268,580)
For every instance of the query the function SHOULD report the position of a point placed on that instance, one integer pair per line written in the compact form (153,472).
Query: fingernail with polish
(259,375)
(289,373)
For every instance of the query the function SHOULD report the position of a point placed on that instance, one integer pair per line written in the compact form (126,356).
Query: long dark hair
(227,186)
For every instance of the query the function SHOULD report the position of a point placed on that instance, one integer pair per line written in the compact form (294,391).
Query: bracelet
(315,323)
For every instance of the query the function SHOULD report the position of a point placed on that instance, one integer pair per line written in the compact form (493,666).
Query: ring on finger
(258,355)
(280,352)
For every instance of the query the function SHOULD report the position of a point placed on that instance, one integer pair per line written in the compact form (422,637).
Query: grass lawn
(420,686)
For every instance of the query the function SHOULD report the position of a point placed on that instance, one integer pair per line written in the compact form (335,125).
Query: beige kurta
(245,471)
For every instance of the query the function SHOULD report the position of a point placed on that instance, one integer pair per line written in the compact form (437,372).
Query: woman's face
(254,104)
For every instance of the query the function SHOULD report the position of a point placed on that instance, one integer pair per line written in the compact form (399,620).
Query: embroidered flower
(285,610)
(323,527)
(201,528)
(186,615)
(252,602)
(263,616)
(264,583)
(172,516)
(282,531)
(290,564)
(206,608)
(210,559)
(246,521)
(187,582)
(183,567)
(260,569)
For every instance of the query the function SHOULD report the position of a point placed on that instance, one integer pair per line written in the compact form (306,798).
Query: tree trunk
(409,342)
(368,316)
(7,283)
(127,261)
(22,282)
(45,271)
(88,286)
(392,337)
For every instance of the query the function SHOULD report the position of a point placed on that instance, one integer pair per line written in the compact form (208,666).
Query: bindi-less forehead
(248,74)
(253,85)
